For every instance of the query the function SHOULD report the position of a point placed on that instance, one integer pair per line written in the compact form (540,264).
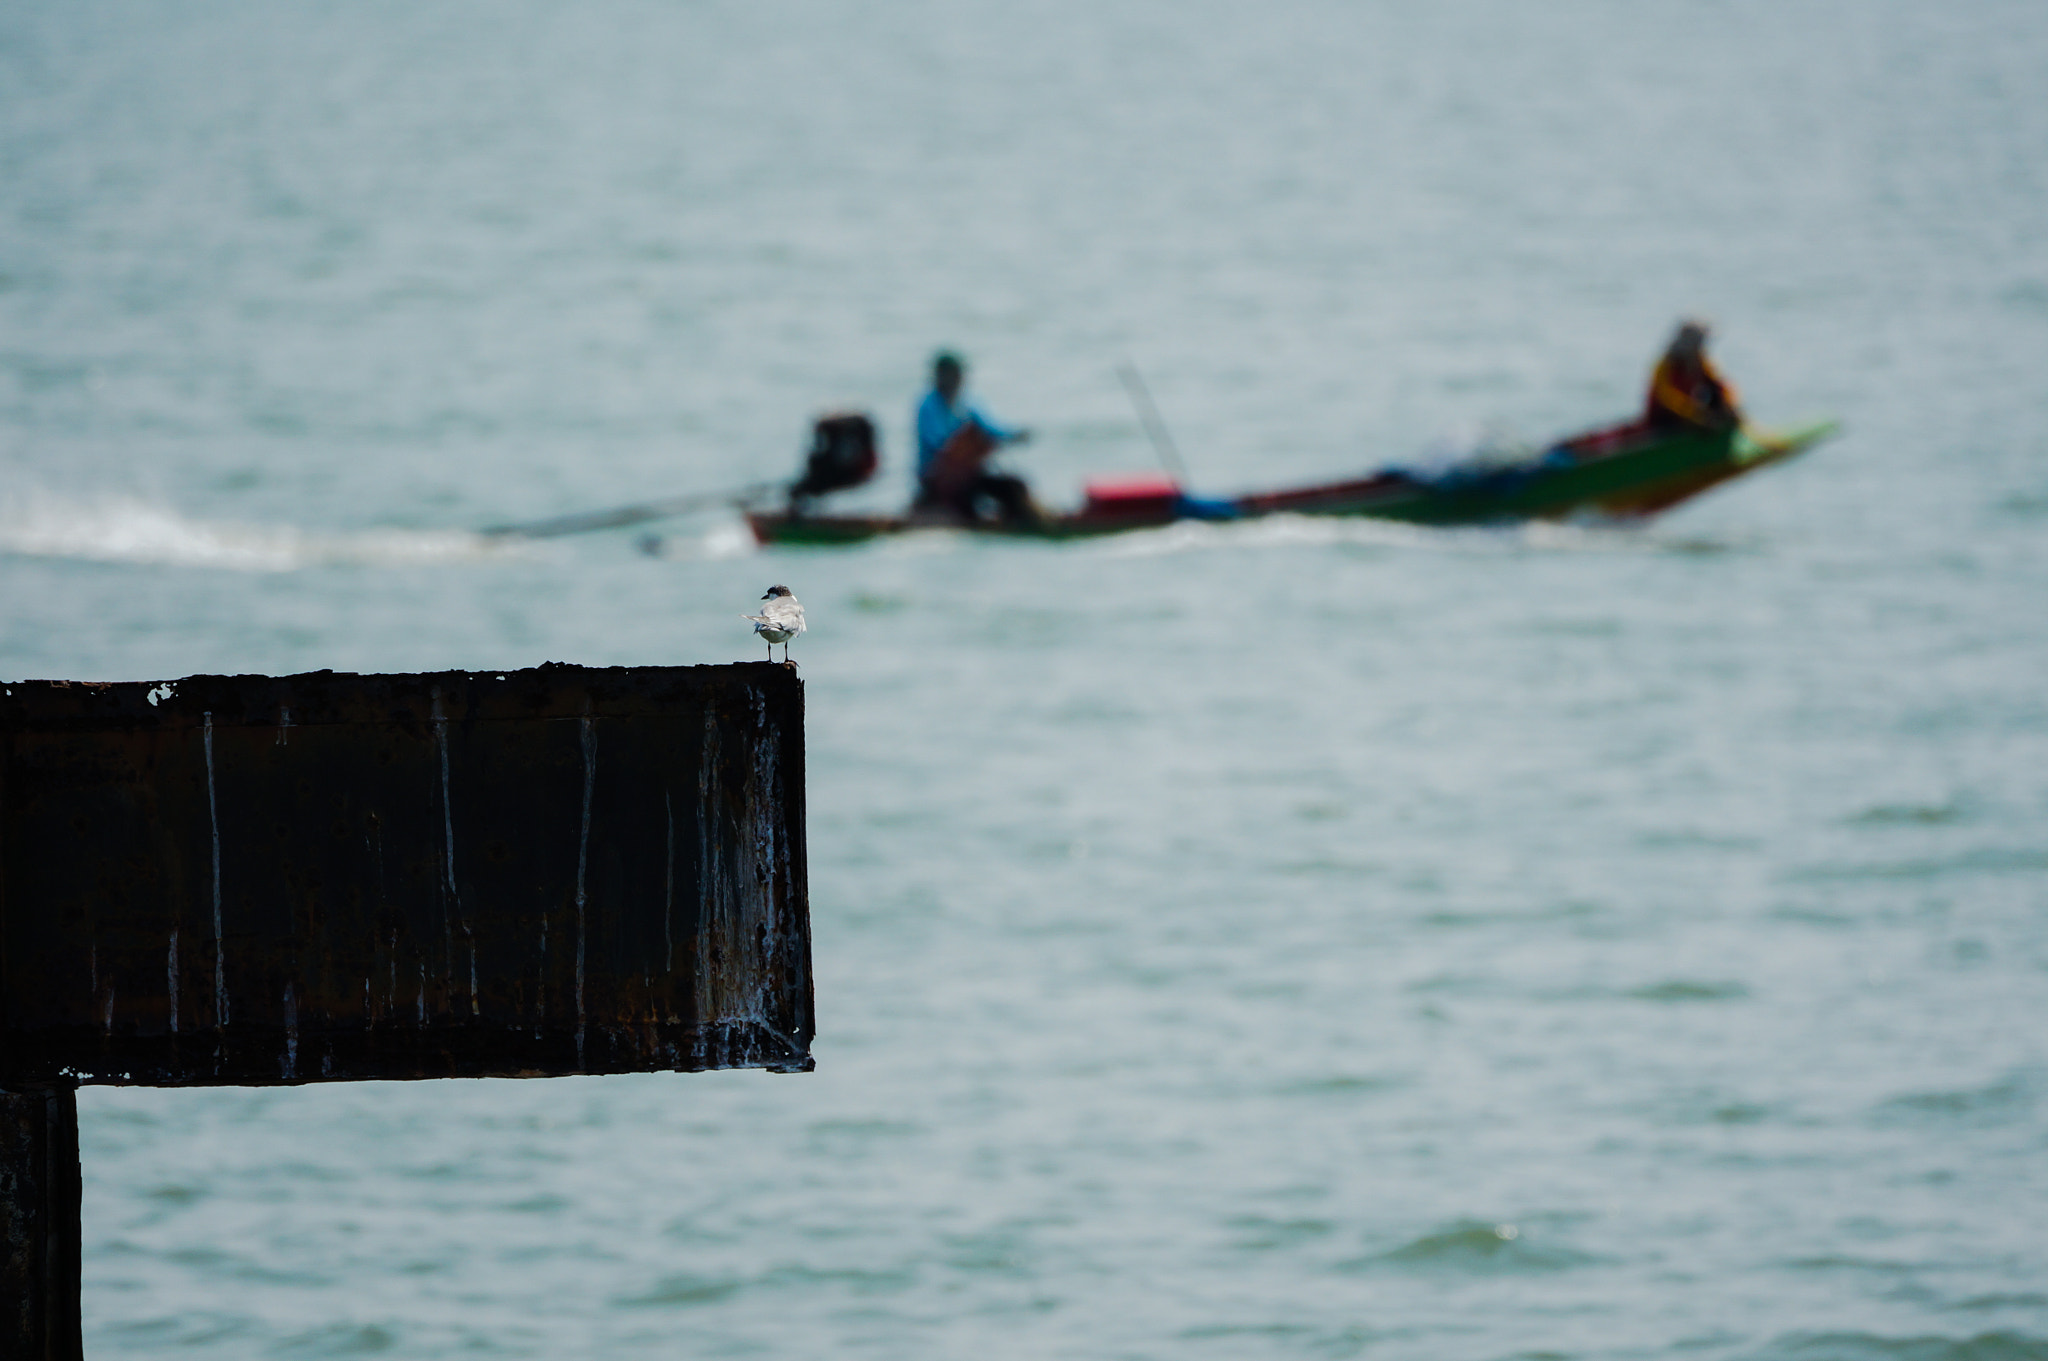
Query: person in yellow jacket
(1686,391)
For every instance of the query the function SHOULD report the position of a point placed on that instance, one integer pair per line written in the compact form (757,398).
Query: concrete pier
(257,881)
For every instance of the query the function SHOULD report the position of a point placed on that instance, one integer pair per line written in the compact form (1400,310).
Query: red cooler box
(1135,494)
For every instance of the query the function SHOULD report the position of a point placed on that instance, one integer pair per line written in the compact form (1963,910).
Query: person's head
(948,373)
(1691,337)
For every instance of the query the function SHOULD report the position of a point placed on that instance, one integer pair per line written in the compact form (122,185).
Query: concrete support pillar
(40,1192)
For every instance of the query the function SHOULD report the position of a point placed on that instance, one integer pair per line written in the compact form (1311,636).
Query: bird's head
(774,591)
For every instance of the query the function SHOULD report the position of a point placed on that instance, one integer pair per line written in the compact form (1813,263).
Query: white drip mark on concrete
(284,726)
(711,891)
(220,945)
(756,933)
(668,898)
(172,972)
(448,853)
(109,1015)
(582,865)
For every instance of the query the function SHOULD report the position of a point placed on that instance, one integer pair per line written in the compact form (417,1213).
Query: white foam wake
(726,539)
(126,529)
(1294,531)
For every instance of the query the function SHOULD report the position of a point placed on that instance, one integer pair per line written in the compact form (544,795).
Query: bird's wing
(759,621)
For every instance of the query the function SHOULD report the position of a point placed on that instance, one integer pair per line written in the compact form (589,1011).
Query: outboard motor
(843,454)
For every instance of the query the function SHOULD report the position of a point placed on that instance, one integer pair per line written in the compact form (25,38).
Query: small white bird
(780,620)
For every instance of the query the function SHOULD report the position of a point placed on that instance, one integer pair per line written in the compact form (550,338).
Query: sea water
(1291,939)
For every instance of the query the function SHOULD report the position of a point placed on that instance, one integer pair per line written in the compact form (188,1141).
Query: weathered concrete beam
(258,880)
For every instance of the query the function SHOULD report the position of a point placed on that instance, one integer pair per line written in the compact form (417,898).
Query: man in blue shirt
(954,441)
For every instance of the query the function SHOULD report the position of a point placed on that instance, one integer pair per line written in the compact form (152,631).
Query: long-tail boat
(1618,473)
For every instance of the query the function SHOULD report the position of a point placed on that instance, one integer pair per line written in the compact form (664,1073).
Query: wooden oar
(1148,413)
(621,516)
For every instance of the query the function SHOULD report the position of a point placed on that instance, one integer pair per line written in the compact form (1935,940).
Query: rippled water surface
(1277,940)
